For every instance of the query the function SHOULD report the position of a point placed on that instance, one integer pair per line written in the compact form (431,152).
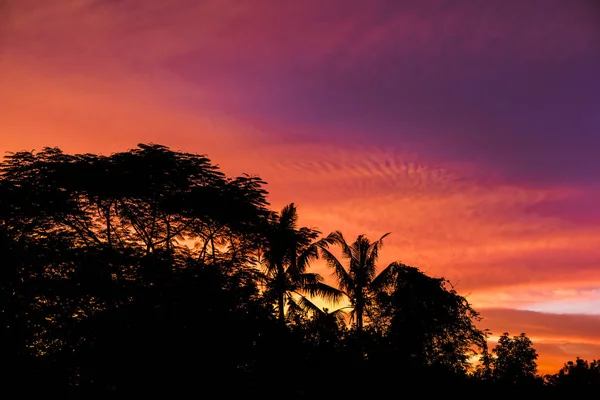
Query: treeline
(151,272)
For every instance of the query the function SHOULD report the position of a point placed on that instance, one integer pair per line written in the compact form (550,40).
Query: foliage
(577,375)
(514,359)
(359,281)
(150,272)
(288,252)
(425,321)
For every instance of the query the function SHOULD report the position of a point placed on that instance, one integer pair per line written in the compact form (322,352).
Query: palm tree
(287,255)
(360,280)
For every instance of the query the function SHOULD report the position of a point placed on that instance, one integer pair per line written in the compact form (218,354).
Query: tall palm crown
(287,255)
(359,281)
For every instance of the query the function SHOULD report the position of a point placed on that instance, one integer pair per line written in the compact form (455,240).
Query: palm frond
(294,308)
(307,306)
(344,280)
(375,247)
(288,218)
(307,235)
(269,268)
(352,316)
(371,257)
(328,293)
(308,278)
(339,315)
(386,276)
(358,250)
(380,240)
(337,237)
(309,255)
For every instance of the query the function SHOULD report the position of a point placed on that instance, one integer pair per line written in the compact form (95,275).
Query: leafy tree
(514,360)
(483,370)
(578,374)
(425,321)
(85,234)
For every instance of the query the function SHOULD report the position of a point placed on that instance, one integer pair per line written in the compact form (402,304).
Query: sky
(470,130)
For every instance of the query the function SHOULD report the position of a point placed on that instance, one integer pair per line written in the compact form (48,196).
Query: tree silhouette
(84,235)
(577,375)
(149,271)
(426,322)
(360,280)
(287,253)
(514,360)
(483,371)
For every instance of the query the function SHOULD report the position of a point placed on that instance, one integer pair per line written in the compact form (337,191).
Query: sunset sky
(469,129)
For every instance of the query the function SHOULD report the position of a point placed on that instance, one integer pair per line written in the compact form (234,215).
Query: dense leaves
(514,360)
(579,375)
(424,320)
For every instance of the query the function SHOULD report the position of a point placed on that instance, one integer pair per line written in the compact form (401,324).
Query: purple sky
(511,86)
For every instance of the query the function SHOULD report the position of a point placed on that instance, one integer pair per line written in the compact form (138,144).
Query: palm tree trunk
(359,319)
(359,308)
(281,301)
(281,292)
